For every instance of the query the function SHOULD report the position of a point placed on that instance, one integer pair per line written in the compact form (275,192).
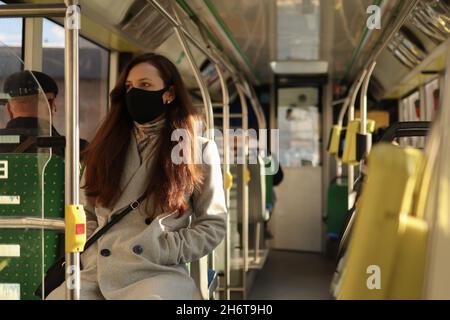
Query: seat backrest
(257,192)
(12,138)
(336,208)
(386,255)
(31,185)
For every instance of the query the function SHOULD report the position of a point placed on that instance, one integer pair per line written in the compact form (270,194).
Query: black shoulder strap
(25,145)
(116,218)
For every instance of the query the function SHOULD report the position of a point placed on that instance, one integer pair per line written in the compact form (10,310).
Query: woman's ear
(169,95)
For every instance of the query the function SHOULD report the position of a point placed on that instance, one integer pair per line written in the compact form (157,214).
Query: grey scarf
(147,135)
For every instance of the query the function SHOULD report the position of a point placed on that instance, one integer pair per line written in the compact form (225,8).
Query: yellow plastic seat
(387,251)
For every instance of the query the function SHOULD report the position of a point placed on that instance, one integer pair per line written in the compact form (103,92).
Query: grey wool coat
(140,258)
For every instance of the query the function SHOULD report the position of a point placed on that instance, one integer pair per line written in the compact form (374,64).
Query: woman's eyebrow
(145,79)
(140,80)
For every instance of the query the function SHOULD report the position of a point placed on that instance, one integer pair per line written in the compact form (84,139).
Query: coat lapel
(135,177)
(132,163)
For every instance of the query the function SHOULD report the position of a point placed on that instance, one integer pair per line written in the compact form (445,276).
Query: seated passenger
(182,218)
(29,116)
(277,178)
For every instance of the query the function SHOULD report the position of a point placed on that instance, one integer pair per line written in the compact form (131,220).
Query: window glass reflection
(94,63)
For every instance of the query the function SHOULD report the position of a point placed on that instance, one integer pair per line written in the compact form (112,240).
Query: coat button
(138,249)
(148,221)
(105,253)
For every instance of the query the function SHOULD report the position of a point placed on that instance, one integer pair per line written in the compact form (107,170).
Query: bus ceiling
(136,26)
(409,49)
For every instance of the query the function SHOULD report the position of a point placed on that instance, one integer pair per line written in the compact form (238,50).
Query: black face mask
(145,106)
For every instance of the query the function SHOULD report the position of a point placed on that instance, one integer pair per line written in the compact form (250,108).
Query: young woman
(182,218)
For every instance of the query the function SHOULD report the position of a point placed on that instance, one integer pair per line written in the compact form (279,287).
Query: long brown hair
(105,157)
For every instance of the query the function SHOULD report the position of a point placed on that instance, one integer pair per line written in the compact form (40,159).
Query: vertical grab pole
(72,169)
(198,76)
(262,124)
(351,117)
(226,162)
(226,174)
(256,107)
(244,182)
(340,123)
(363,106)
(200,268)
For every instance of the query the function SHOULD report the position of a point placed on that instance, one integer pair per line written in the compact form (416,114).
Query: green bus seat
(336,208)
(22,196)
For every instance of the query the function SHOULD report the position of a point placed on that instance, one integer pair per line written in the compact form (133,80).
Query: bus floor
(291,275)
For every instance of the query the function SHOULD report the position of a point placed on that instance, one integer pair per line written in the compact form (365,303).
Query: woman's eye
(146,84)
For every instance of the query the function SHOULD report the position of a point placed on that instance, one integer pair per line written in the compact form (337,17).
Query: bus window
(94,63)
(10,52)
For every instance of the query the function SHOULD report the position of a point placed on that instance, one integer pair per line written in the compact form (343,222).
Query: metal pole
(176,23)
(244,182)
(214,58)
(363,113)
(200,269)
(344,110)
(351,117)
(198,76)
(33,10)
(351,97)
(403,16)
(14,222)
(257,240)
(226,173)
(256,106)
(262,124)
(71,64)
(398,24)
(345,103)
(363,99)
(363,109)
(351,111)
(226,161)
(344,107)
(171,20)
